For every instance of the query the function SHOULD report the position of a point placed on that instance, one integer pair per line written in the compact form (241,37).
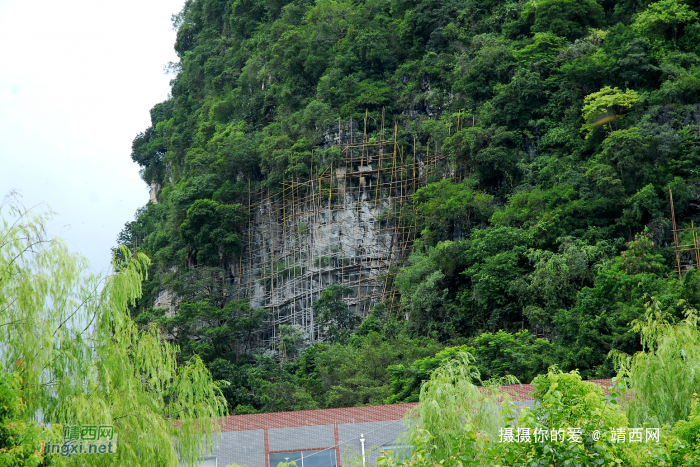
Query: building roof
(372,413)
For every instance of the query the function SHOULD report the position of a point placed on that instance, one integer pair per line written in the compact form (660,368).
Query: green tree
(599,321)
(606,105)
(291,340)
(210,230)
(689,430)
(661,19)
(406,380)
(359,373)
(663,375)
(454,416)
(520,355)
(428,286)
(212,332)
(566,18)
(448,210)
(563,400)
(21,442)
(83,361)
(627,149)
(333,314)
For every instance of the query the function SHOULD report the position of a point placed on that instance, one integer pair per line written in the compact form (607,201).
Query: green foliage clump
(210,331)
(21,442)
(458,415)
(359,373)
(209,229)
(520,355)
(406,381)
(606,105)
(663,374)
(334,315)
(563,401)
(564,18)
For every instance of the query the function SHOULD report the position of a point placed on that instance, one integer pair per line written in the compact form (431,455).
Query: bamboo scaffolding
(679,248)
(364,195)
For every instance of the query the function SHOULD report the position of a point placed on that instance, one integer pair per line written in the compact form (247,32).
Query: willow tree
(664,376)
(455,415)
(68,334)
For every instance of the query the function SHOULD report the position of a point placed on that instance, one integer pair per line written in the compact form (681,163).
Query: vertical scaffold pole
(675,233)
(695,245)
(250,249)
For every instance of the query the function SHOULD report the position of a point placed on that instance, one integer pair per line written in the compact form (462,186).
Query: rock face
(295,252)
(153,192)
(342,227)
(166,299)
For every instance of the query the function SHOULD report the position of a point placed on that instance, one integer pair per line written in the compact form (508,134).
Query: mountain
(341,190)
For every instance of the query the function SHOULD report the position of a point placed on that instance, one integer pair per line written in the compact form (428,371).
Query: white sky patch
(77,79)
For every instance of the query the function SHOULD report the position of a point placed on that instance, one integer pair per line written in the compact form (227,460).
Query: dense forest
(572,120)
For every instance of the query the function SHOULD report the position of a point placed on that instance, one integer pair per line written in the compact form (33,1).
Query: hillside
(521,156)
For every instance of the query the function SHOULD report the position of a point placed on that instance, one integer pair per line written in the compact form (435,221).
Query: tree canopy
(72,355)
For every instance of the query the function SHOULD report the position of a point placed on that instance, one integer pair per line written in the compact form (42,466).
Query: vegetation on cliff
(575,118)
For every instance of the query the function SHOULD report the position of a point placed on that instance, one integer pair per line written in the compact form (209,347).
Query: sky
(77,81)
